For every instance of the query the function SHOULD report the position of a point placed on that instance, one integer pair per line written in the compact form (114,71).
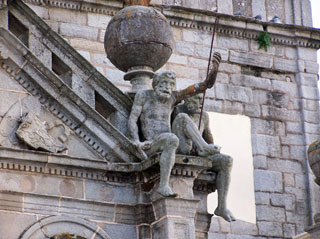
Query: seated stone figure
(185,126)
(154,108)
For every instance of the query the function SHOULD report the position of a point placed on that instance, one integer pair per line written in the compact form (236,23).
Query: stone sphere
(138,36)
(314,159)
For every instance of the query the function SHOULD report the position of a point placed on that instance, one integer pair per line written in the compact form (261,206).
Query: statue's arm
(201,87)
(134,116)
(207,135)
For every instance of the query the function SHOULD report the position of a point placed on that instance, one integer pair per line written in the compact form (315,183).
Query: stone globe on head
(138,41)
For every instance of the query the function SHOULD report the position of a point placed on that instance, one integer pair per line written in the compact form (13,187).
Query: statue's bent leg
(185,143)
(167,144)
(184,127)
(222,164)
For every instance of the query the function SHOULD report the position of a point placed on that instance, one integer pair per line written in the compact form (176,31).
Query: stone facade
(277,89)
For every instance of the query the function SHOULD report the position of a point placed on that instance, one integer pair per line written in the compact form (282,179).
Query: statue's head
(164,83)
(193,103)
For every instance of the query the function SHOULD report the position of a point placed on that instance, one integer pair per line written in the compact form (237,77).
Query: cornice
(196,19)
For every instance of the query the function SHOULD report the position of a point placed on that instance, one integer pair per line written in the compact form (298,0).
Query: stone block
(262,198)
(291,52)
(306,13)
(268,181)
(289,230)
(307,54)
(299,193)
(185,72)
(269,213)
(233,43)
(85,54)
(285,166)
(120,230)
(245,7)
(254,46)
(104,192)
(233,93)
(298,152)
(182,60)
(232,107)
(213,105)
(65,15)
(311,128)
(88,209)
(198,37)
(311,93)
(231,236)
(213,235)
(266,145)
(243,228)
(285,65)
(288,11)
(260,97)
(40,11)
(41,204)
(82,44)
(252,110)
(98,20)
(251,81)
(309,105)
(73,30)
(185,48)
(116,77)
(260,162)
(258,8)
(311,67)
(289,179)
(294,127)
(10,201)
(229,68)
(198,63)
(275,8)
(285,152)
(125,214)
(259,126)
(101,35)
(308,79)
(283,200)
(311,116)
(251,59)
(20,221)
(270,229)
(282,114)
(225,6)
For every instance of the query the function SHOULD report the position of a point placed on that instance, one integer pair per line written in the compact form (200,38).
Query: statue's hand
(141,146)
(214,70)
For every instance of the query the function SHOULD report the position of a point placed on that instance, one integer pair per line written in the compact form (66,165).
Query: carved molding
(233,26)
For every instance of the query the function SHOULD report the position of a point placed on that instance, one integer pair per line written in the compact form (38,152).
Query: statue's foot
(210,149)
(225,214)
(166,192)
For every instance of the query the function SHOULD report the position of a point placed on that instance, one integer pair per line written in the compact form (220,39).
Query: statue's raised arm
(201,87)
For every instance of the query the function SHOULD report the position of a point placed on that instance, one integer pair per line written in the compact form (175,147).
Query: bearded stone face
(193,103)
(165,87)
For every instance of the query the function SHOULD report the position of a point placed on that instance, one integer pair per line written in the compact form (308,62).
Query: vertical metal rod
(209,62)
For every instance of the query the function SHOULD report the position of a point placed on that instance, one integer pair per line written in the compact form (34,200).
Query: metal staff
(204,93)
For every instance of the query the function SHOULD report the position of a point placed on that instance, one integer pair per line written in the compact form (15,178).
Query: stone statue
(193,141)
(154,108)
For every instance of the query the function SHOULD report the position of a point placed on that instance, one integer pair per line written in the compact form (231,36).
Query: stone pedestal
(174,218)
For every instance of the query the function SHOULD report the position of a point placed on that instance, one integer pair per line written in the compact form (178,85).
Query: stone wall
(277,89)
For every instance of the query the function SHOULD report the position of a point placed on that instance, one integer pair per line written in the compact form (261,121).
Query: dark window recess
(103,106)
(18,29)
(62,70)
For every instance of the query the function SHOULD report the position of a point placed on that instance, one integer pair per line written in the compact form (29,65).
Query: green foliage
(264,40)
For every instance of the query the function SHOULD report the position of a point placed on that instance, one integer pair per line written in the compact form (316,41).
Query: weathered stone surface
(252,59)
(306,13)
(251,81)
(232,43)
(252,110)
(245,7)
(64,15)
(287,166)
(285,65)
(185,48)
(74,30)
(260,162)
(234,93)
(243,228)
(266,145)
(225,6)
(262,198)
(34,133)
(120,230)
(269,213)
(98,20)
(283,200)
(268,181)
(289,230)
(259,126)
(258,8)
(275,8)
(270,229)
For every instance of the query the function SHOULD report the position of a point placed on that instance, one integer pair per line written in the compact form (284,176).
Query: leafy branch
(264,40)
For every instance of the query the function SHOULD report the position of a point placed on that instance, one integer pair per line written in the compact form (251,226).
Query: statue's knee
(173,141)
(228,162)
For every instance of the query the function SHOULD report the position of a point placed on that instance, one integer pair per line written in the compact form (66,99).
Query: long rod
(209,62)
